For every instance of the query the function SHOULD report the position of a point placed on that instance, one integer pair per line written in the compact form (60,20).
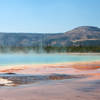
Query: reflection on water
(21,79)
(5,82)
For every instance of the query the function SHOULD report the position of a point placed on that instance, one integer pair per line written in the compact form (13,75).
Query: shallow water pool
(12,59)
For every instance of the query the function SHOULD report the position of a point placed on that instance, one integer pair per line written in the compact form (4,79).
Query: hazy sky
(48,15)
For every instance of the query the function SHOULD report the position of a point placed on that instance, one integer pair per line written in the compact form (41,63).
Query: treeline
(82,49)
(50,49)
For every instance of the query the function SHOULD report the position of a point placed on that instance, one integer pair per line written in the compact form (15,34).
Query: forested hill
(84,35)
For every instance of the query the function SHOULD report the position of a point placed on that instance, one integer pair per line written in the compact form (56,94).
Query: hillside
(84,35)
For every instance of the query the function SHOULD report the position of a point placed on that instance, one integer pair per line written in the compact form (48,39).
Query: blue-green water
(12,59)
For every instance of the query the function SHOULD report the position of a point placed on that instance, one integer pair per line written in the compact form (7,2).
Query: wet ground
(12,79)
(78,82)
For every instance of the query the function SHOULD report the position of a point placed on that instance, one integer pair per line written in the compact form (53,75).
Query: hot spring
(31,58)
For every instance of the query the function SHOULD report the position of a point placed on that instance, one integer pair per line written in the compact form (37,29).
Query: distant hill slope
(84,35)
